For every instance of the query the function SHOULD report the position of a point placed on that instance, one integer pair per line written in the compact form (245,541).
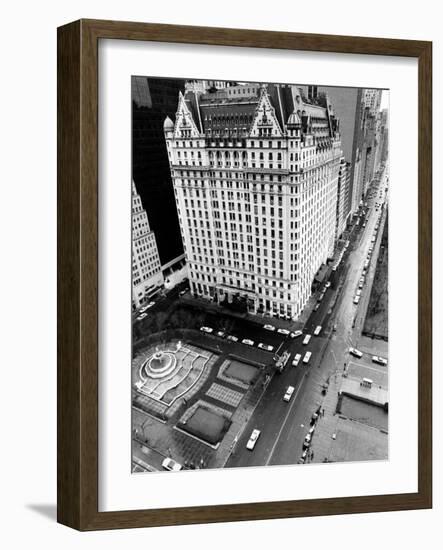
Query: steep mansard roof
(212,112)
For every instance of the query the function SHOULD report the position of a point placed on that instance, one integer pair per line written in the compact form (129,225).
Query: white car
(220,333)
(247,342)
(232,338)
(283,331)
(288,394)
(266,347)
(358,293)
(150,305)
(296,334)
(306,339)
(171,465)
(328,284)
(253,439)
(317,330)
(208,330)
(355,352)
(356,299)
(307,357)
(143,309)
(379,360)
(142,316)
(296,360)
(269,327)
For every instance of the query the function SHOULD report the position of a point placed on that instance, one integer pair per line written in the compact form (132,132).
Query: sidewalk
(327,423)
(340,439)
(254,318)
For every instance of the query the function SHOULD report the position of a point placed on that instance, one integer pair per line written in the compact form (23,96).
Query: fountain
(160,364)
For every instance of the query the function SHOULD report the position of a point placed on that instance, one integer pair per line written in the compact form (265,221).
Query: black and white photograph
(259,274)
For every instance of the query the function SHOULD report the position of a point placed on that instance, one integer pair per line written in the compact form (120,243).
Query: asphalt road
(284,425)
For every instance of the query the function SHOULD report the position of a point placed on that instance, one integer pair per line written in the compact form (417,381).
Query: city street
(284,425)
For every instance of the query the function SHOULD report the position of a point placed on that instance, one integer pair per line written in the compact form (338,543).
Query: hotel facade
(255,172)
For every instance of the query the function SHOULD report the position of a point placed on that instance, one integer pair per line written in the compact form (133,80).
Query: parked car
(283,331)
(320,298)
(143,309)
(150,305)
(171,465)
(208,330)
(288,394)
(232,338)
(317,330)
(253,439)
(182,292)
(269,327)
(328,284)
(220,333)
(266,347)
(307,357)
(355,352)
(247,342)
(316,307)
(296,334)
(379,360)
(307,441)
(358,292)
(356,299)
(306,339)
(142,316)
(296,359)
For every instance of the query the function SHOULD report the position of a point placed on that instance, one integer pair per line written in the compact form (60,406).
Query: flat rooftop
(374,394)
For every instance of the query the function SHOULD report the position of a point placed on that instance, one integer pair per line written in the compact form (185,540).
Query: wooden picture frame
(78,274)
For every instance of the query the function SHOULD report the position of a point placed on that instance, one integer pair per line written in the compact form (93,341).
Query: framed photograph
(244,275)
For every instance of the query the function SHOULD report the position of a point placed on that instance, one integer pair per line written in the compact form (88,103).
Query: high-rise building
(372,100)
(147,277)
(366,139)
(382,149)
(152,100)
(347,108)
(255,177)
(342,197)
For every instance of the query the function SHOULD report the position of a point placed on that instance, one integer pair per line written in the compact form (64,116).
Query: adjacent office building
(152,100)
(147,277)
(255,172)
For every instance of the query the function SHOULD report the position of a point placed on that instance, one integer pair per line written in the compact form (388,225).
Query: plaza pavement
(154,438)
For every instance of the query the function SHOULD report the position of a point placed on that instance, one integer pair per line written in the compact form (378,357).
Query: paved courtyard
(195,409)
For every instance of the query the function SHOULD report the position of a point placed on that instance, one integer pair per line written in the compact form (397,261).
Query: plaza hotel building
(255,174)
